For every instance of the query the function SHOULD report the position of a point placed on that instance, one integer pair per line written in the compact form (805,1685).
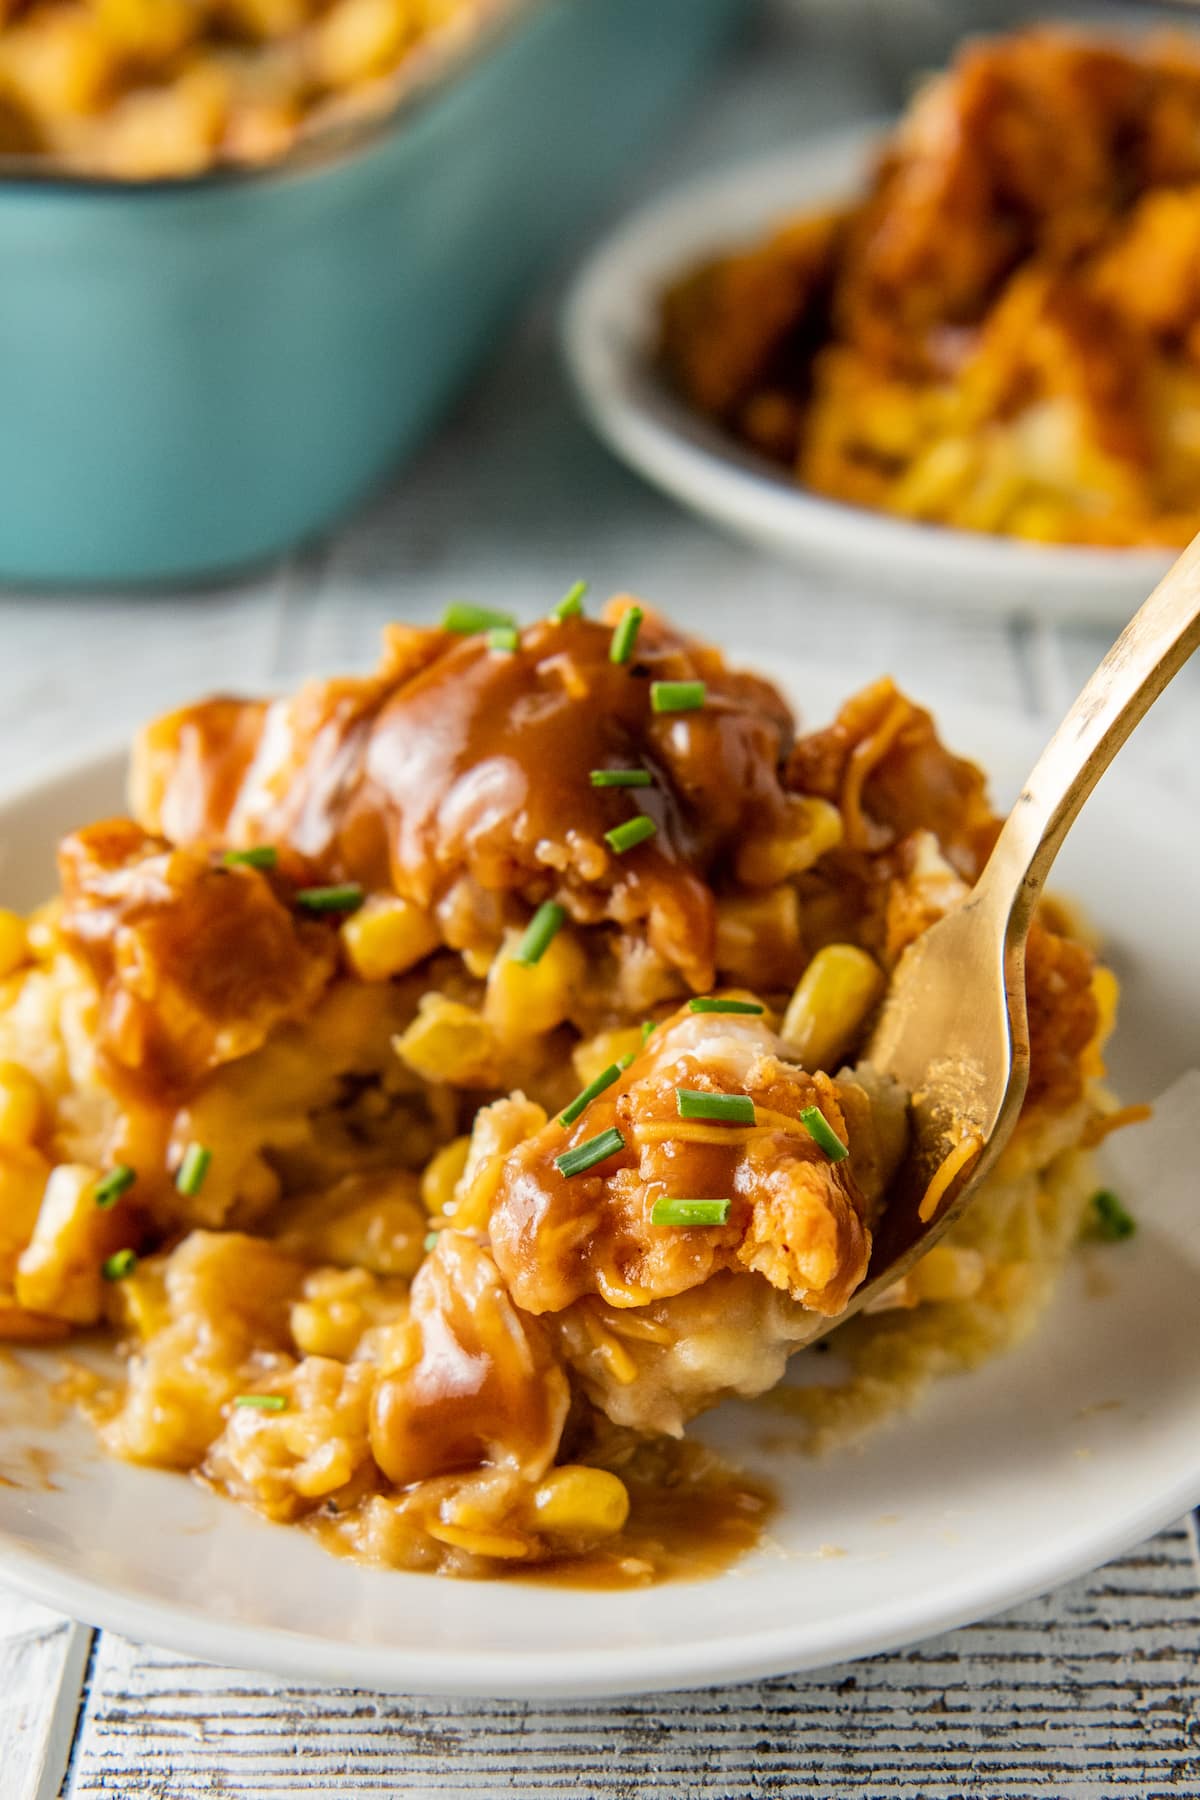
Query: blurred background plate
(610,332)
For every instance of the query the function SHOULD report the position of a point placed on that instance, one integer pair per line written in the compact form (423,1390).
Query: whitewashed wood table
(1094,1690)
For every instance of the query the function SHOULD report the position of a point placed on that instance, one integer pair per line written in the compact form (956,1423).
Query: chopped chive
(690,1212)
(729,1109)
(545,925)
(605,1079)
(262,1402)
(117,1266)
(649,1026)
(587,1155)
(503,637)
(621,778)
(626,1061)
(110,1187)
(705,1004)
(822,1133)
(259,856)
(571,604)
(347,897)
(466,620)
(624,637)
(431,1239)
(677,696)
(189,1177)
(1112,1221)
(633,831)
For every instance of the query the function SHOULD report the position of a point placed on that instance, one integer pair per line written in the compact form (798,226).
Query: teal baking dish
(195,375)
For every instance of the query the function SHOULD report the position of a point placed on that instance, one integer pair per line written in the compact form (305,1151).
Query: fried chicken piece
(750,321)
(460,775)
(197,964)
(962,195)
(882,763)
(796,1218)
(1063,1017)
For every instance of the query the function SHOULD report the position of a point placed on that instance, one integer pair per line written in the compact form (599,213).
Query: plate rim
(595,1673)
(706,471)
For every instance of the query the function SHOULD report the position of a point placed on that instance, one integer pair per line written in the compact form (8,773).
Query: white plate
(1008,1480)
(609,333)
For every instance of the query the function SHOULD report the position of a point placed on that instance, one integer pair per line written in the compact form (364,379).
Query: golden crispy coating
(197,963)
(459,776)
(987,346)
(1063,1017)
(795,1217)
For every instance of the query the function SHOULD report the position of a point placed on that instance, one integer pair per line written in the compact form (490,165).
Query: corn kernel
(576,1501)
(449,1042)
(14,943)
(948,1273)
(23,1177)
(830,1005)
(59,1270)
(523,1001)
(358,39)
(21,1110)
(442,1175)
(593,1055)
(813,826)
(139,1303)
(151,31)
(758,935)
(387,936)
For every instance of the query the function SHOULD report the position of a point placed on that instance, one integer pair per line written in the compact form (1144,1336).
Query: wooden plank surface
(42,1662)
(1091,1691)
(1094,1691)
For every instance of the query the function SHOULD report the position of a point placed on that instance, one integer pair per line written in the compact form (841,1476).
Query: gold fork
(953,1028)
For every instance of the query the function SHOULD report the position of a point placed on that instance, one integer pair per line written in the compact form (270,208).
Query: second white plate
(609,334)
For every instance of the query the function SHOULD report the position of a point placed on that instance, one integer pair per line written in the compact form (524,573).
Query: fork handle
(1152,649)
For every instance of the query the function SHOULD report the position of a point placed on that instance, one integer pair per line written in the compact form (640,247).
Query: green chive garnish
(545,924)
(259,856)
(626,1061)
(117,1266)
(431,1239)
(586,1156)
(690,1212)
(110,1187)
(822,1133)
(466,619)
(729,1109)
(621,778)
(262,1402)
(624,636)
(603,1080)
(571,604)
(189,1177)
(677,696)
(1111,1219)
(706,1005)
(633,831)
(347,897)
(648,1026)
(503,637)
